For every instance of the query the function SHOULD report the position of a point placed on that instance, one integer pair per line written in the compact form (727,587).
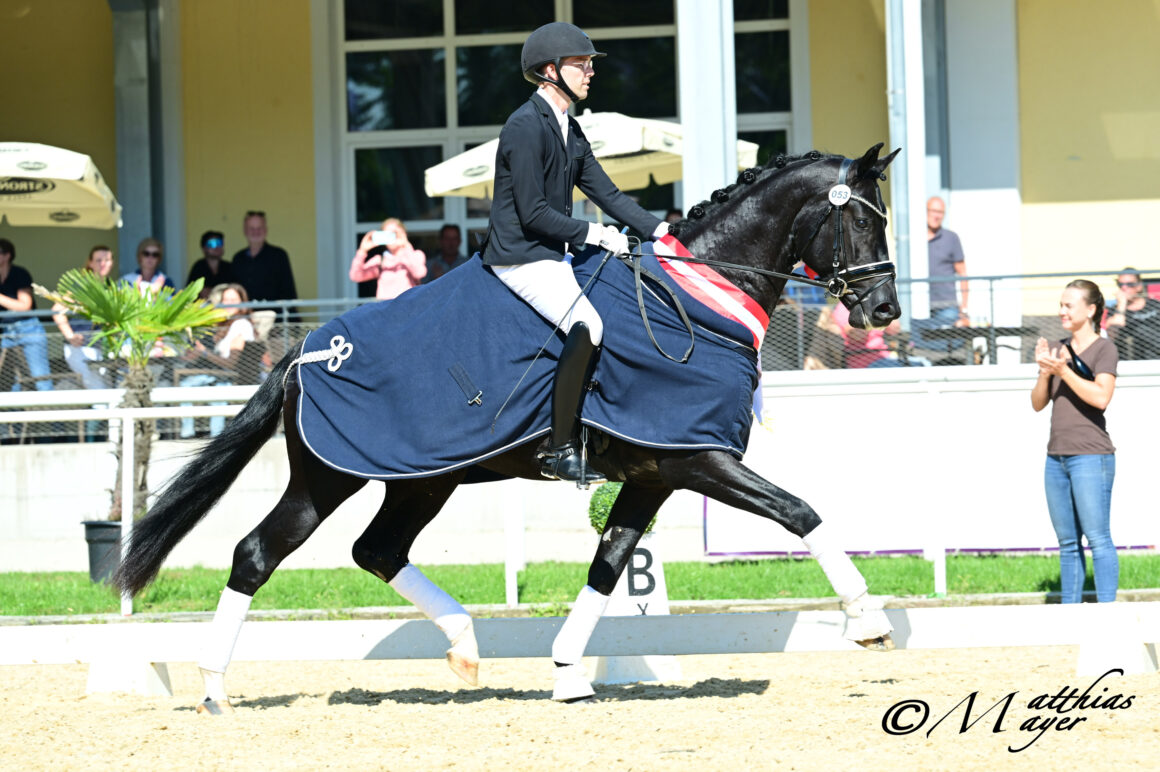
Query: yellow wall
(1089,104)
(249,141)
(58,90)
(848,75)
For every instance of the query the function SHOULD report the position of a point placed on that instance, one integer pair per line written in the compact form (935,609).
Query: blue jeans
(939,317)
(29,335)
(1079,500)
(216,422)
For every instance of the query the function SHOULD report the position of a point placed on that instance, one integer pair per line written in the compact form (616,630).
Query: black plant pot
(104,538)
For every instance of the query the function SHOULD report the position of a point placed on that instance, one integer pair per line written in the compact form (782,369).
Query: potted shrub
(131,324)
(600,504)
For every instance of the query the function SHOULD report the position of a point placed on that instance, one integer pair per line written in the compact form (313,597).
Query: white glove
(614,241)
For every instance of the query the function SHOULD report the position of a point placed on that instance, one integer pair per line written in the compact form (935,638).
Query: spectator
(212,267)
(21,330)
(387,255)
(673,215)
(1134,325)
(79,353)
(449,256)
(229,339)
(262,268)
(945,259)
(148,277)
(804,294)
(1081,460)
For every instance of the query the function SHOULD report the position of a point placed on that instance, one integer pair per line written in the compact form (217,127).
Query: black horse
(825,211)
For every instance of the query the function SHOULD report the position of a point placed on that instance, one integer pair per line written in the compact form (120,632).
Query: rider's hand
(614,241)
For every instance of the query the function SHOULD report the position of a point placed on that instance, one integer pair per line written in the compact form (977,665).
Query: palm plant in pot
(135,326)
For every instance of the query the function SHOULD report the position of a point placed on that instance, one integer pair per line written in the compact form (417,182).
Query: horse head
(841,235)
(824,211)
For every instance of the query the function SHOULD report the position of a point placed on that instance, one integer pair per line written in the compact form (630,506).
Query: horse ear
(871,166)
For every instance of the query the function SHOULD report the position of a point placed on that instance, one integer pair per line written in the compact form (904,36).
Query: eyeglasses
(256,213)
(150,253)
(1128,283)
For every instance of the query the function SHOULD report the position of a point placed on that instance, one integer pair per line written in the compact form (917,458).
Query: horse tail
(187,498)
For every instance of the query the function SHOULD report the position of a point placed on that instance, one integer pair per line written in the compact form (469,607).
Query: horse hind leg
(384,548)
(312,494)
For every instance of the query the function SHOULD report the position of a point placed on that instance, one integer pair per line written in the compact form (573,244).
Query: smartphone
(384,238)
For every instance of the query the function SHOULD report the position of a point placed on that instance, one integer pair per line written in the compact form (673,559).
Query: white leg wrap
(568,648)
(446,612)
(571,684)
(866,620)
(846,580)
(223,631)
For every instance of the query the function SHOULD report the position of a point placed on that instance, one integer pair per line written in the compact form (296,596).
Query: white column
(708,97)
(907,130)
(984,205)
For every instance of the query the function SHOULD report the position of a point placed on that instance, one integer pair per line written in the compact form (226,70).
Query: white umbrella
(45,185)
(630,150)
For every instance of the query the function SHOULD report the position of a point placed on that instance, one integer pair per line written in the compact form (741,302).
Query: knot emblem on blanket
(340,351)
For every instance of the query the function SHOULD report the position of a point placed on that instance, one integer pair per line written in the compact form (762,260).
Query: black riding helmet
(548,45)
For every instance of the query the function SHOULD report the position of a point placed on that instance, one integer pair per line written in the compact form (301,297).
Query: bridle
(842,276)
(841,283)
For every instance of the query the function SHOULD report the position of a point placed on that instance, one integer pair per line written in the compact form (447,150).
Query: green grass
(552,585)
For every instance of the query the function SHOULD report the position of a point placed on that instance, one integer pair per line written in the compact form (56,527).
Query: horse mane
(692,222)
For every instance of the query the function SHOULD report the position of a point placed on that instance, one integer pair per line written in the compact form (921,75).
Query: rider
(542,156)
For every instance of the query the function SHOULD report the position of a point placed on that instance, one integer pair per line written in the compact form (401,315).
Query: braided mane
(690,224)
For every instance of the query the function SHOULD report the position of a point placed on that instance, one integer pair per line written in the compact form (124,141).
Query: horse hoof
(463,667)
(210,707)
(579,701)
(880,643)
(572,684)
(463,656)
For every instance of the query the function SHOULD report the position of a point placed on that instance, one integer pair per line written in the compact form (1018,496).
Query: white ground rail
(1116,635)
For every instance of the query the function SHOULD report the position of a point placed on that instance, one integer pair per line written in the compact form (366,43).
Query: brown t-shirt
(1077,428)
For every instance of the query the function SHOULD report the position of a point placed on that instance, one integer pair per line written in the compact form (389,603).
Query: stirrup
(568,462)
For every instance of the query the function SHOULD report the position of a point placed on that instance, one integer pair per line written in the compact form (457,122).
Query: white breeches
(550,287)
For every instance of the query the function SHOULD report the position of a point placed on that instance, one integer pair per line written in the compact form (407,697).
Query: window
(424,80)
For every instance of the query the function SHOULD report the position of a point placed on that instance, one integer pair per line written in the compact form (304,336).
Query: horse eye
(862,223)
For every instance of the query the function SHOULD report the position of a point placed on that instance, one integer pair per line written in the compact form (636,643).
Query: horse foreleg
(630,515)
(312,494)
(383,549)
(722,477)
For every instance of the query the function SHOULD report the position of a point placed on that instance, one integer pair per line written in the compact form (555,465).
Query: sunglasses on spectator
(150,253)
(1128,283)
(255,213)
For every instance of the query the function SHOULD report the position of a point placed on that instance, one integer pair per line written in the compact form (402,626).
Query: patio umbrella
(45,185)
(630,149)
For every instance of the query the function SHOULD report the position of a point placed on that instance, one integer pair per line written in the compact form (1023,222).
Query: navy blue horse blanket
(414,386)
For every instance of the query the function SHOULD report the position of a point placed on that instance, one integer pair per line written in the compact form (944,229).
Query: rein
(837,284)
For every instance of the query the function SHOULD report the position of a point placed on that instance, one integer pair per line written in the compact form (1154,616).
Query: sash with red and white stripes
(711,288)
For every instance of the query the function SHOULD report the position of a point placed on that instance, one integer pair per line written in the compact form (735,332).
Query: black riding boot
(564,459)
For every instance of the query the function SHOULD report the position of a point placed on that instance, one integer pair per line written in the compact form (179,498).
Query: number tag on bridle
(840,195)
